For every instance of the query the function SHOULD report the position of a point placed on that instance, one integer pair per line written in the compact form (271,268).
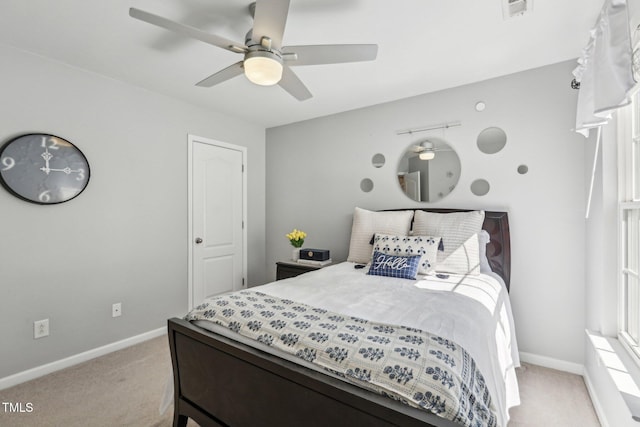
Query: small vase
(295,255)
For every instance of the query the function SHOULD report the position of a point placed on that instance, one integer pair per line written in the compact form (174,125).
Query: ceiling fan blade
(292,84)
(222,75)
(187,30)
(269,20)
(329,54)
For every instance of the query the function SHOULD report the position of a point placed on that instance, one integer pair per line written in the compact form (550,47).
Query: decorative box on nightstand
(287,269)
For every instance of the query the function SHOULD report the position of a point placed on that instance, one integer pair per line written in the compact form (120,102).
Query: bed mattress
(473,311)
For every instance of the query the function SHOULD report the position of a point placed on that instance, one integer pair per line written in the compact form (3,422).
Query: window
(629,224)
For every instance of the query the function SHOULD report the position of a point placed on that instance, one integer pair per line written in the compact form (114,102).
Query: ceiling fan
(266,62)
(427,149)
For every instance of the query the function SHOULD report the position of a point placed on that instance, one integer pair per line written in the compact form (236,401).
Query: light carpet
(125,388)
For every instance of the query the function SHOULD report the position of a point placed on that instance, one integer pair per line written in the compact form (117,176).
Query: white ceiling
(424,46)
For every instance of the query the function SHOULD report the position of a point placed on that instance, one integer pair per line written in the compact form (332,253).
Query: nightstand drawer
(285,270)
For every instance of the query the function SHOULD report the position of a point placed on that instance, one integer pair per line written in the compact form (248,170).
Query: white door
(217,215)
(412,183)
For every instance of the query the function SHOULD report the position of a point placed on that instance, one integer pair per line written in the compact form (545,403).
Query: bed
(224,378)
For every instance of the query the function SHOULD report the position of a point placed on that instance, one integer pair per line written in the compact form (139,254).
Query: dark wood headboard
(496,223)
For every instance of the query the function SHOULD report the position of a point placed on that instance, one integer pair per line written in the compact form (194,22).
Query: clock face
(43,169)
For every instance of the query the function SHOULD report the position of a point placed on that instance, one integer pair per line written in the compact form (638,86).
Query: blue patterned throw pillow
(403,267)
(425,246)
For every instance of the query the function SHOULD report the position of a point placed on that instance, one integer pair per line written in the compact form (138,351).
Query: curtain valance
(605,69)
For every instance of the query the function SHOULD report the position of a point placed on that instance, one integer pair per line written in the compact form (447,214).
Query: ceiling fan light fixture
(263,68)
(427,152)
(427,155)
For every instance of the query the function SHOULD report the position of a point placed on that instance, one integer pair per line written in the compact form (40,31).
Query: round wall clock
(43,169)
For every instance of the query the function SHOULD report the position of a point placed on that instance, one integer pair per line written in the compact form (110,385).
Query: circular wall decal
(491,140)
(378,160)
(480,187)
(523,169)
(366,185)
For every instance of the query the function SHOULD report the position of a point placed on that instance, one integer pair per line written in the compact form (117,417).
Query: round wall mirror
(378,160)
(429,170)
(491,140)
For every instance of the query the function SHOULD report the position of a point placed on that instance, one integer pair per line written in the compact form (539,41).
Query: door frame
(192,139)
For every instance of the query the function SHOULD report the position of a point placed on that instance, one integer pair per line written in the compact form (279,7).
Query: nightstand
(287,269)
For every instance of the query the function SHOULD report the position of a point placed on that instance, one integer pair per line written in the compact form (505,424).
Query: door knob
(198,240)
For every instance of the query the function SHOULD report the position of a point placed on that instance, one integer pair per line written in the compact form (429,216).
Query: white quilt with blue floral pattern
(407,364)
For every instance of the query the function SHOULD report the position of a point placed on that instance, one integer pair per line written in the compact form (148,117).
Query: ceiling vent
(512,8)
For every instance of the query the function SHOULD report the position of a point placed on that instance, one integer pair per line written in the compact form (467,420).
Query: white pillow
(465,259)
(367,223)
(425,246)
(459,232)
(483,241)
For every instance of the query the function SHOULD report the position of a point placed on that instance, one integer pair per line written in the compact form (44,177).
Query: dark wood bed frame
(220,382)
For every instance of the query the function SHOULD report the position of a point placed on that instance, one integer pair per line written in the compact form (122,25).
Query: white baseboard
(39,371)
(597,405)
(549,362)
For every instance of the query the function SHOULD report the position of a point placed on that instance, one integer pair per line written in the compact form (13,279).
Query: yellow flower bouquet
(296,237)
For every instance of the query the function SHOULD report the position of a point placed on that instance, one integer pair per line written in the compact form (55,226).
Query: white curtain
(605,74)
(605,68)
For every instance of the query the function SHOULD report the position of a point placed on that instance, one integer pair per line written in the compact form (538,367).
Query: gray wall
(124,239)
(314,169)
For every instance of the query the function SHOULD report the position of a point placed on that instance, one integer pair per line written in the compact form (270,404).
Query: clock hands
(46,156)
(46,169)
(67,170)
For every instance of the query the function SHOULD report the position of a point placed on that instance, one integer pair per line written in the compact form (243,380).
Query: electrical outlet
(40,328)
(116,309)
